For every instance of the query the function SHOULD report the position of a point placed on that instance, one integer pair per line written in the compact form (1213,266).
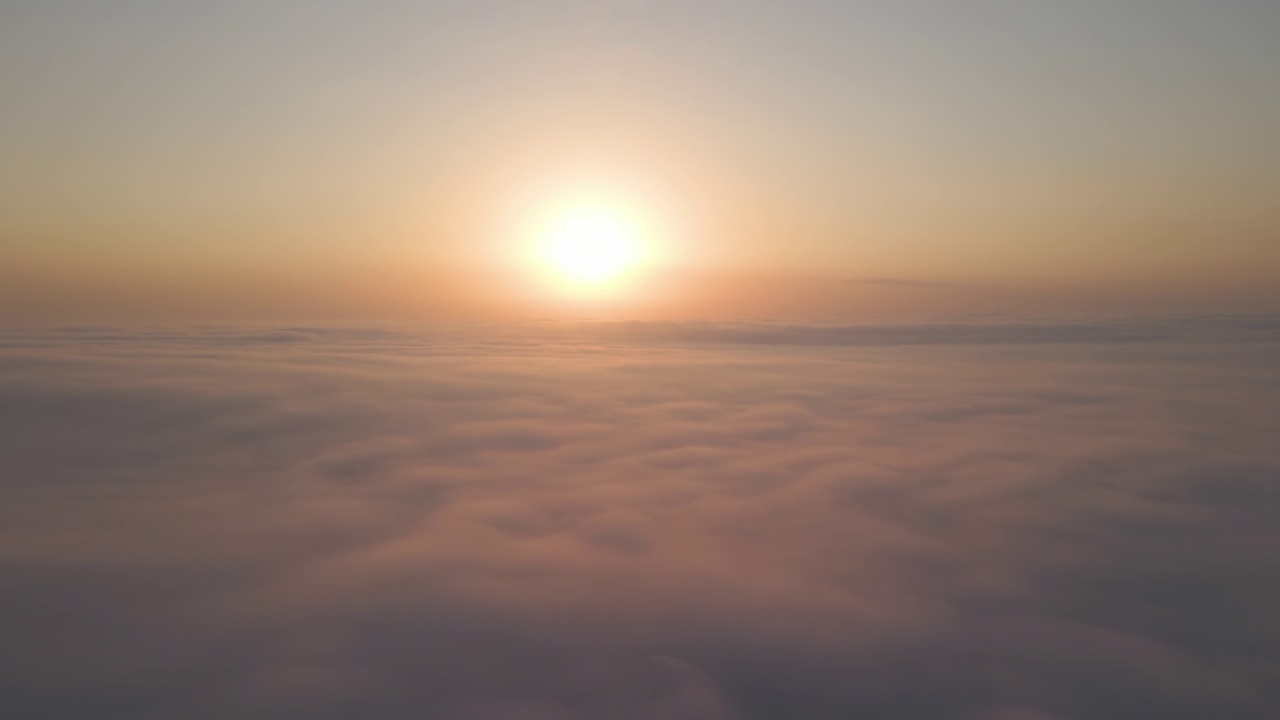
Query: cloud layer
(970,520)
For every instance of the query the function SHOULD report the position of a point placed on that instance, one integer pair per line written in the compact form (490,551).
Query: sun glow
(592,244)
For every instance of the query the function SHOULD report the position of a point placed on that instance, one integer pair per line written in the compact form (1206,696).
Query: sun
(591,244)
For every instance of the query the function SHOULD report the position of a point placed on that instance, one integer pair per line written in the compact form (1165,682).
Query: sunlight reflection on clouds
(635,521)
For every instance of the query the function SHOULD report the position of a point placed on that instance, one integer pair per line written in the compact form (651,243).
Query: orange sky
(813,159)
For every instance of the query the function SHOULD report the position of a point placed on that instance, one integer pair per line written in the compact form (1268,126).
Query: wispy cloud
(895,282)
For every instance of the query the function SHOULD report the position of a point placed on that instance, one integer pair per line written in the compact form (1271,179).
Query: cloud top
(963,519)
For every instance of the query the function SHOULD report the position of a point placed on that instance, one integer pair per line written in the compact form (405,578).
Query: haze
(291,160)
(639,360)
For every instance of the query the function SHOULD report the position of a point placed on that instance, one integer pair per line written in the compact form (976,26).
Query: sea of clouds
(964,519)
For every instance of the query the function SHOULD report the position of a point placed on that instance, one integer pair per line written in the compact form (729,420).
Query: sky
(290,160)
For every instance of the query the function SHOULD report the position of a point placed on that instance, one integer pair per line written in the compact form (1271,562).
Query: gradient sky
(803,158)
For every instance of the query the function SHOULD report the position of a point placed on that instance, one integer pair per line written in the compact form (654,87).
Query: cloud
(698,521)
(895,282)
(971,331)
